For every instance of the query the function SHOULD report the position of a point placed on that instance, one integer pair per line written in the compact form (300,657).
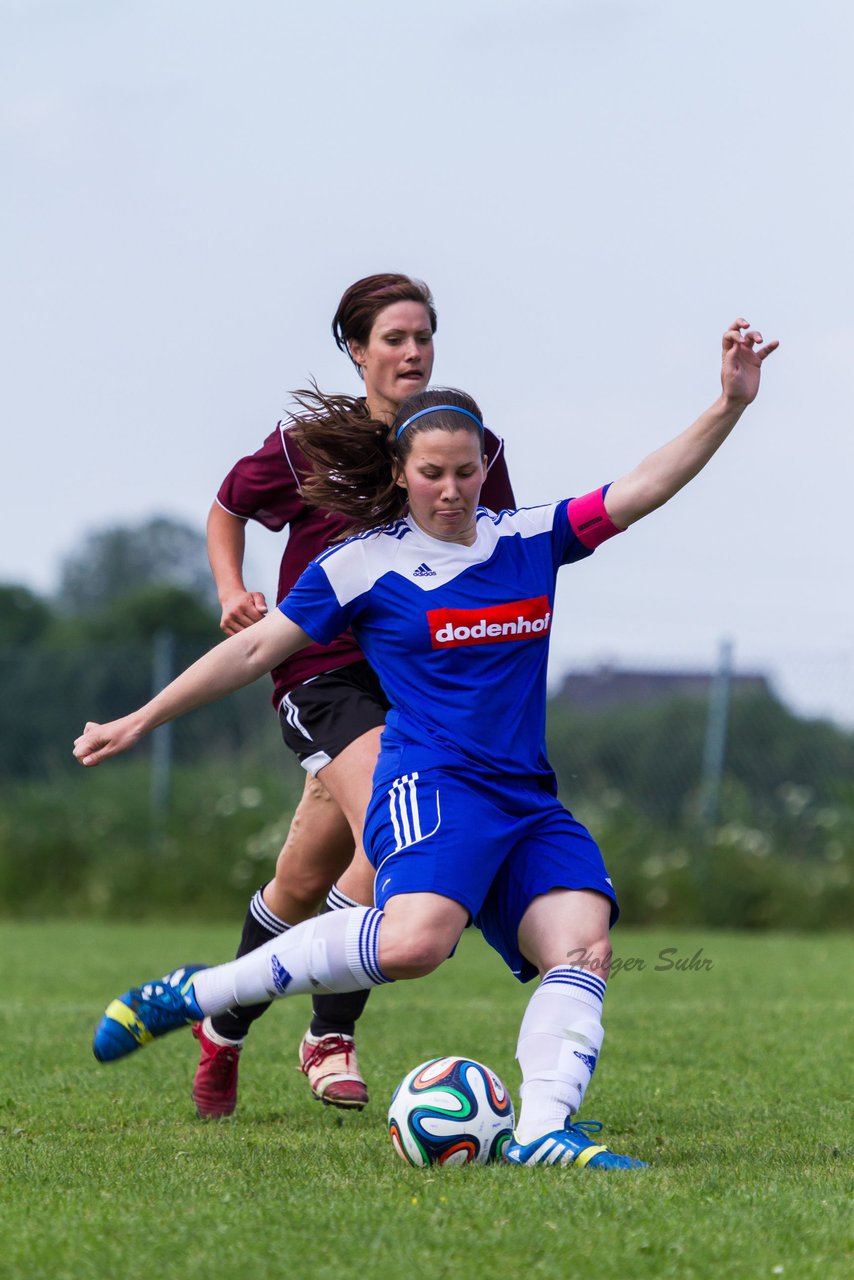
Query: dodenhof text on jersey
(515,620)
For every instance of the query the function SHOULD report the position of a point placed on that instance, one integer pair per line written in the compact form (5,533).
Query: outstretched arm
(667,470)
(231,665)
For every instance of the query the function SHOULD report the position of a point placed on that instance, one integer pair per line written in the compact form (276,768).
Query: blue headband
(435,408)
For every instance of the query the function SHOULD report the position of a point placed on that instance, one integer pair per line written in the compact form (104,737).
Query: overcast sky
(593,189)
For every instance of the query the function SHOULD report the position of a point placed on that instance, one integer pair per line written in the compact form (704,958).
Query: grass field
(731,1079)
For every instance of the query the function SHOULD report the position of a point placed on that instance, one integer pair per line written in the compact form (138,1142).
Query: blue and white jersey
(459,636)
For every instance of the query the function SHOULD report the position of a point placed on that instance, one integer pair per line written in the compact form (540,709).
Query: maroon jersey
(265,486)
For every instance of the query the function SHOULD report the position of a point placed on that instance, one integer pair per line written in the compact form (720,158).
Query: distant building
(607,686)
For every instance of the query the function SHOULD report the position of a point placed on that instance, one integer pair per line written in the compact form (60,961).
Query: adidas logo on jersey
(424,571)
(516,620)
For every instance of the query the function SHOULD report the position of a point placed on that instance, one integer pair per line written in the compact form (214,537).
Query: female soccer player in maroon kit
(330,704)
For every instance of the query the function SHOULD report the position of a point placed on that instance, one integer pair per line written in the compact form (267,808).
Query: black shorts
(325,714)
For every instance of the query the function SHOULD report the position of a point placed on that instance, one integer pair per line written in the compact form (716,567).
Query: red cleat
(215,1083)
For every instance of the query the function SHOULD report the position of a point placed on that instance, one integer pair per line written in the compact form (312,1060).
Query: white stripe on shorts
(292,717)
(404,814)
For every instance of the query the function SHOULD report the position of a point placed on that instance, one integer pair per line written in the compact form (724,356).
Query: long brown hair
(363,301)
(357,459)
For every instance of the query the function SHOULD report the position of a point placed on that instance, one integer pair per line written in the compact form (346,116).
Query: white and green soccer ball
(450,1111)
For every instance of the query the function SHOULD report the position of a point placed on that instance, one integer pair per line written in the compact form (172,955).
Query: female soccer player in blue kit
(453,607)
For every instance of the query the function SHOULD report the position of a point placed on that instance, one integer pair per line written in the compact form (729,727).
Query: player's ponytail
(356,459)
(353,458)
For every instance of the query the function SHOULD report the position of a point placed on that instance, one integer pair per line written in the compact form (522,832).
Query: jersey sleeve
(264,486)
(312,605)
(330,593)
(581,525)
(497,491)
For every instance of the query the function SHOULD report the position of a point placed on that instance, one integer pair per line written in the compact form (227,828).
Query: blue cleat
(144,1013)
(570,1145)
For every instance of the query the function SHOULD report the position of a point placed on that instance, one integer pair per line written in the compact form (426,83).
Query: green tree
(154,607)
(24,616)
(123,558)
(93,657)
(649,755)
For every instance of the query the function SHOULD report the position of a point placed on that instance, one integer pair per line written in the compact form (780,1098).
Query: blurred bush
(86,845)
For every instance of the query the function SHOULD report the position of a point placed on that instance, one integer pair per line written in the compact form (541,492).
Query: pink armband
(589,520)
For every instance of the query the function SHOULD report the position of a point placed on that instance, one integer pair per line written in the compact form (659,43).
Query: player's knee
(301,880)
(600,953)
(592,952)
(410,954)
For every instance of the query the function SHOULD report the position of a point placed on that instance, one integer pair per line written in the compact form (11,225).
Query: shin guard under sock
(260,926)
(338,951)
(559,1043)
(337,1014)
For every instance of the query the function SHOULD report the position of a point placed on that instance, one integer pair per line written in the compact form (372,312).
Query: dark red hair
(362,302)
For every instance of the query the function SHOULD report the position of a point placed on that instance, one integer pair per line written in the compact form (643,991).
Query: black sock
(259,927)
(337,1014)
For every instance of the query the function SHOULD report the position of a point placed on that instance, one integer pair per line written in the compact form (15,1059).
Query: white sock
(559,1043)
(337,951)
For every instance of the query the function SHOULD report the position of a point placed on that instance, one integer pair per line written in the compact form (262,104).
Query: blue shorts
(492,846)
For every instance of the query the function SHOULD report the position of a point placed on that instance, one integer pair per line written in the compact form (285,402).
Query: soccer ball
(450,1111)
